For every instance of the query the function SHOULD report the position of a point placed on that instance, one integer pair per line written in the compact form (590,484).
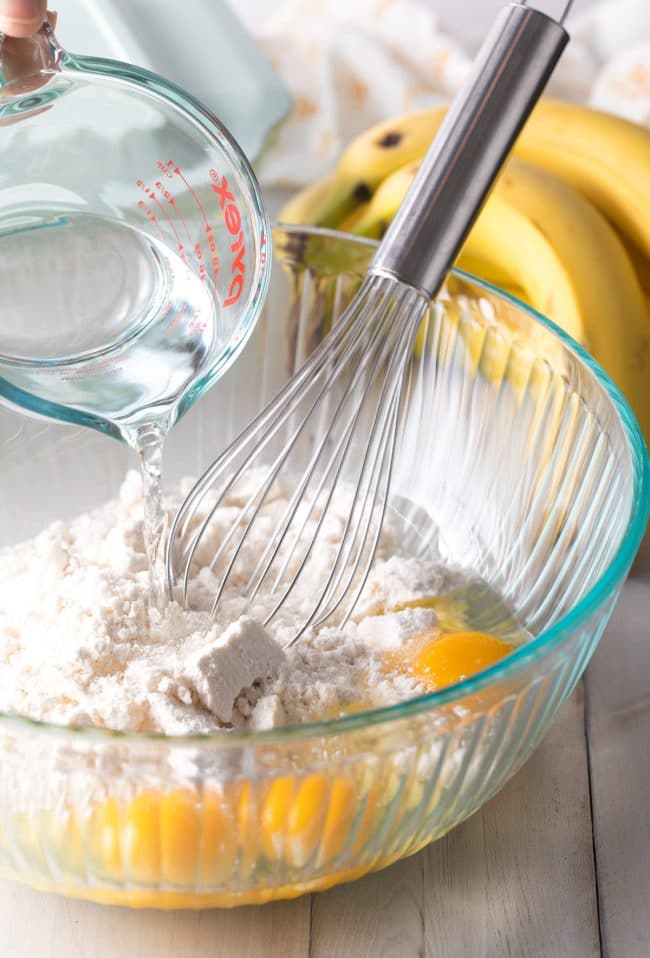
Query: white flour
(76,645)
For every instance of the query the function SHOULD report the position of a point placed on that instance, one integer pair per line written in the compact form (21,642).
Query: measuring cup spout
(27,63)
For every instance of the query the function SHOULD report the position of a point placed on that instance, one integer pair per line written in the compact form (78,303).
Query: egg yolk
(455,656)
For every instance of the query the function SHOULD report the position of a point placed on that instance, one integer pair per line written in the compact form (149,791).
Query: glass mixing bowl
(520,459)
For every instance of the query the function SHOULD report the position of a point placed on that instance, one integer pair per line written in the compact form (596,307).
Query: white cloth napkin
(351,63)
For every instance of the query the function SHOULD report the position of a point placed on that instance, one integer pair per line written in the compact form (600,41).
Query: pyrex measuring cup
(133,260)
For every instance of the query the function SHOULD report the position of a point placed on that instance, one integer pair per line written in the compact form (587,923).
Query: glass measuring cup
(133,259)
(133,251)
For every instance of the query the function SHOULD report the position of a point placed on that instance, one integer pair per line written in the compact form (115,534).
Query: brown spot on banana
(390,139)
(362,193)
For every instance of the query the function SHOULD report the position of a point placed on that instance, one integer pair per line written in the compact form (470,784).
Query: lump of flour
(227,664)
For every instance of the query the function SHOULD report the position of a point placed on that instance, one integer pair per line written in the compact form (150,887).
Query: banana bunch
(566,227)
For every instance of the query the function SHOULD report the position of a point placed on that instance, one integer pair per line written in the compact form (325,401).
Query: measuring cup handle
(27,63)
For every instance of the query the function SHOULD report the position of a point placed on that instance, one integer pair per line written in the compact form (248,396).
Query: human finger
(21,18)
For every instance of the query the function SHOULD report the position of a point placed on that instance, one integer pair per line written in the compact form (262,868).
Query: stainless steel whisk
(352,384)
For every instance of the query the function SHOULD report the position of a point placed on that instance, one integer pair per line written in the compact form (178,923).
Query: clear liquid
(154,520)
(104,326)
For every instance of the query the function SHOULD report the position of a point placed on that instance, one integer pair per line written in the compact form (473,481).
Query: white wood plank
(518,877)
(36,925)
(379,916)
(618,724)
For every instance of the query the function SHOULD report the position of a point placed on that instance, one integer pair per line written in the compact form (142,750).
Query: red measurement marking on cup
(100,367)
(209,229)
(169,220)
(197,326)
(177,320)
(205,252)
(151,216)
(214,257)
(171,199)
(178,172)
(198,253)
(152,196)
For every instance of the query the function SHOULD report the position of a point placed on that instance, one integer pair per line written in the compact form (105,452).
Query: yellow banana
(380,210)
(305,206)
(595,275)
(606,158)
(495,274)
(641,265)
(349,222)
(365,162)
(505,238)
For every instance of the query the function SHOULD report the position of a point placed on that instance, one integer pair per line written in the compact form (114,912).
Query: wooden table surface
(557,864)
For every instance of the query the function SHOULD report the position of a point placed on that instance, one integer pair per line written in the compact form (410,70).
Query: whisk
(350,391)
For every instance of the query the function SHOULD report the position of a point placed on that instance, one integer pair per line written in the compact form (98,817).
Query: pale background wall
(472,17)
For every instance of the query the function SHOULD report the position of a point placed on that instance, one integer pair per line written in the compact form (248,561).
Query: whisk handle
(455,177)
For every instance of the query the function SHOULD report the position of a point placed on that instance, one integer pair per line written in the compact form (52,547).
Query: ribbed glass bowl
(523,461)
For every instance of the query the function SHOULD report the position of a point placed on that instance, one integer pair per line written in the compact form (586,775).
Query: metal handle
(455,177)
